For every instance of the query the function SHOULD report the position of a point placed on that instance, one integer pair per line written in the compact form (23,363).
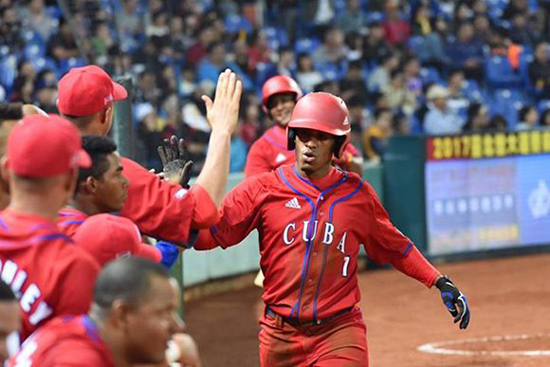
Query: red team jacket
(65,341)
(48,273)
(270,152)
(310,233)
(69,220)
(162,210)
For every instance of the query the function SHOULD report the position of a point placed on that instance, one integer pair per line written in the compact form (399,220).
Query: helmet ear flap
(291,139)
(338,142)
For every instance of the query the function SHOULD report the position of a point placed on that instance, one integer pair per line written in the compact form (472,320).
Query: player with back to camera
(49,275)
(131,320)
(312,218)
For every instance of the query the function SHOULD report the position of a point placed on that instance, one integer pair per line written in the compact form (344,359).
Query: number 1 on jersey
(345,268)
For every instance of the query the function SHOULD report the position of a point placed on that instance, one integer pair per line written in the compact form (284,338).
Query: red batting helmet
(279,84)
(323,112)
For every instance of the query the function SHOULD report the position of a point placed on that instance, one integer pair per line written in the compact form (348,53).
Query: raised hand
(223,112)
(176,167)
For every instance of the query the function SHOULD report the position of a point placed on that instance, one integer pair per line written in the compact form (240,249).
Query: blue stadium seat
(507,102)
(306,45)
(72,62)
(8,71)
(499,73)
(473,91)
(430,75)
(543,105)
(330,71)
(44,63)
(34,50)
(235,23)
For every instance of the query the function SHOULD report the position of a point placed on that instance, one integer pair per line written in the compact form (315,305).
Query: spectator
(286,64)
(147,90)
(149,131)
(545,118)
(539,71)
(396,29)
(412,75)
(306,75)
(466,52)
(477,118)
(10,28)
(250,123)
(401,124)
(375,138)
(128,20)
(63,45)
(528,118)
(206,36)
(211,66)
(357,119)
(440,119)
(333,49)
(458,100)
(351,19)
(37,18)
(375,47)
(355,44)
(482,28)
(259,50)
(102,40)
(498,123)
(399,98)
(380,77)
(354,82)
(188,82)
(521,32)
(158,30)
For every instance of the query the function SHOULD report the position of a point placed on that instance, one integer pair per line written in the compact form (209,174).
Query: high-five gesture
(176,169)
(222,115)
(223,112)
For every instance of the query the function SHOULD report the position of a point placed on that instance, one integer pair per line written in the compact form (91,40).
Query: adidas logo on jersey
(293,203)
(280,158)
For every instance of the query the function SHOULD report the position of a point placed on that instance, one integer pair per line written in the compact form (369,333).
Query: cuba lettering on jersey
(310,235)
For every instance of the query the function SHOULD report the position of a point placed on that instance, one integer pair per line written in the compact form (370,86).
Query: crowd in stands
(419,66)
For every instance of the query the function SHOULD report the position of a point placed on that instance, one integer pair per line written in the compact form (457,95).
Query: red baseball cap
(107,237)
(45,146)
(87,90)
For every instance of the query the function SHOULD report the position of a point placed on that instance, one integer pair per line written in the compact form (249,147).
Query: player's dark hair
(127,279)
(6,294)
(98,148)
(11,111)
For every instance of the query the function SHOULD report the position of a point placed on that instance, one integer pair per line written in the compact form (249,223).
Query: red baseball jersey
(270,152)
(70,219)
(163,210)
(48,273)
(65,341)
(310,233)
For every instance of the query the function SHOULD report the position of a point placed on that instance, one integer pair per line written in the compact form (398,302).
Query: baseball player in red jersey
(101,188)
(131,320)
(269,152)
(48,274)
(158,208)
(311,219)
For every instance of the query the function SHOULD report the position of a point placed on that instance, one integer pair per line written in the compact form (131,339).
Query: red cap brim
(84,159)
(148,252)
(119,92)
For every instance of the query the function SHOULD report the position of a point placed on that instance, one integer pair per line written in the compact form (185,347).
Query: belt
(298,323)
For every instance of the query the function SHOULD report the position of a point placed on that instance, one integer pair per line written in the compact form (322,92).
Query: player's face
(314,151)
(9,323)
(280,107)
(112,190)
(153,323)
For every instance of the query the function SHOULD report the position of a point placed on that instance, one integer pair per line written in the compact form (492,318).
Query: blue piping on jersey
(4,225)
(274,143)
(325,253)
(52,236)
(408,249)
(305,262)
(71,222)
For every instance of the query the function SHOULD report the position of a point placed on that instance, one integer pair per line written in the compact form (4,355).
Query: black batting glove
(176,168)
(455,301)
